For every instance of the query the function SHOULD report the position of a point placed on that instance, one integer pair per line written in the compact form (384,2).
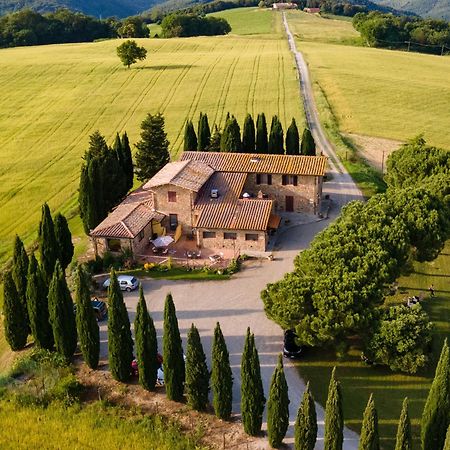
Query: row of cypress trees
(27,284)
(253,139)
(106,177)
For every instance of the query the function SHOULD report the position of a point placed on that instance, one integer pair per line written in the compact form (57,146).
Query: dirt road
(236,303)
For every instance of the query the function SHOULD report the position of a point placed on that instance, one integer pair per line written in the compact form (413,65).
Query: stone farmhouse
(220,200)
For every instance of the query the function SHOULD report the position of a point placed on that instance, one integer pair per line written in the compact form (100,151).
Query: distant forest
(27,27)
(412,33)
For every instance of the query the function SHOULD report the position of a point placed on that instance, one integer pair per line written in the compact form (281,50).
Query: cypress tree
(231,137)
(117,148)
(436,413)
(153,148)
(292,139)
(221,376)
(369,439)
(87,327)
(334,418)
(214,145)
(37,305)
(447,440)
(127,161)
(146,345)
(278,406)
(276,137)
(114,183)
(248,135)
(15,319)
(308,145)
(262,145)
(404,439)
(62,317)
(86,201)
(197,374)
(19,273)
(64,240)
(190,138)
(120,342)
(48,247)
(305,428)
(174,372)
(204,133)
(121,176)
(97,186)
(252,392)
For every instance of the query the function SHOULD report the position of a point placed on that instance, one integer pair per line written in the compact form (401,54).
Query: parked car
(99,307)
(126,282)
(290,347)
(160,373)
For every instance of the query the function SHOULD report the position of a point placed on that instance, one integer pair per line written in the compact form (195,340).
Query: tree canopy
(129,53)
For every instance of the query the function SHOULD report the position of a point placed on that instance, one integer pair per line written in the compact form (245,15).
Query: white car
(126,282)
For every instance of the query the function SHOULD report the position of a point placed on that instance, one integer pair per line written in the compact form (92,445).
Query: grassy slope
(57,95)
(376,92)
(67,428)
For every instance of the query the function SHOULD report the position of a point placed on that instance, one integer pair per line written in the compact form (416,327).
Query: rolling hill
(439,9)
(98,8)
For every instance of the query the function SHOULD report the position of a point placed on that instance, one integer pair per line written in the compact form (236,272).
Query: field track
(57,95)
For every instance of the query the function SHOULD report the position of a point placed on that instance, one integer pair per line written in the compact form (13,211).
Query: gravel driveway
(236,303)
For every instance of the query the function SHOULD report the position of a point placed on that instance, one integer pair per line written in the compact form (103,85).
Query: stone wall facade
(306,195)
(243,240)
(183,206)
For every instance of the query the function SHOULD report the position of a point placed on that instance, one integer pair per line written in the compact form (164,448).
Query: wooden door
(289,203)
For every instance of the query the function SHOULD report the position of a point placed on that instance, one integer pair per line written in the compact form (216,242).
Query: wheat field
(55,96)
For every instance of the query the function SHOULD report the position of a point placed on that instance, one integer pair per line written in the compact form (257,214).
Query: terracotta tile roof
(228,211)
(186,174)
(260,163)
(129,218)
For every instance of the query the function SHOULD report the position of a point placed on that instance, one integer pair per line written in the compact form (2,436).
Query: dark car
(290,348)
(99,307)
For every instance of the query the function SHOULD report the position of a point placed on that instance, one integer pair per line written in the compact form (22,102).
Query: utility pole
(442,50)
(409,45)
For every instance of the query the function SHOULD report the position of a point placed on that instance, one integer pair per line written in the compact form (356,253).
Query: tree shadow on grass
(168,67)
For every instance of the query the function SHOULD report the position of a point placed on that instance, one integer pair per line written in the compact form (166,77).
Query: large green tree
(120,342)
(278,406)
(48,247)
(276,137)
(447,440)
(204,133)
(292,139)
(334,416)
(252,392)
(369,439)
(64,240)
(19,272)
(173,363)
(153,148)
(231,137)
(146,345)
(262,143)
(221,376)
(305,428)
(404,438)
(129,53)
(87,327)
(308,145)
(436,413)
(14,315)
(190,138)
(37,306)
(248,135)
(197,374)
(62,316)
(89,213)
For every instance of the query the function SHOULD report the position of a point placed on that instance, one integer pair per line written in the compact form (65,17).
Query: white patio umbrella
(162,241)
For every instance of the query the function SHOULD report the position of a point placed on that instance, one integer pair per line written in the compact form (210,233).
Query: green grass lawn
(375,92)
(59,94)
(176,273)
(359,380)
(85,427)
(247,21)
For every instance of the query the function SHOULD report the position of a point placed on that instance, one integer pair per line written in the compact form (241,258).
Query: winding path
(236,303)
